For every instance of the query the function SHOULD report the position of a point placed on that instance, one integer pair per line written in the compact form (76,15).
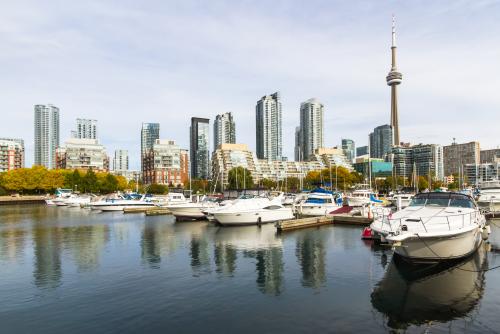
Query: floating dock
(14,200)
(158,212)
(341,219)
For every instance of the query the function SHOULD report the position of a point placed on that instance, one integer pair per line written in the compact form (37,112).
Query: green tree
(159,189)
(89,182)
(422,183)
(292,184)
(200,186)
(240,178)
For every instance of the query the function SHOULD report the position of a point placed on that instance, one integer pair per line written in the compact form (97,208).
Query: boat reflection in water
(416,295)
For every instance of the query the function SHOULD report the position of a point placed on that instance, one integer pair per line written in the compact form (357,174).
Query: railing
(395,225)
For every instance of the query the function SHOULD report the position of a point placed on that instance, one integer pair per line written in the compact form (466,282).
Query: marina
(64,268)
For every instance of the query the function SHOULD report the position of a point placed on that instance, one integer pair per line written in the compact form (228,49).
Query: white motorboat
(361,197)
(435,226)
(170,199)
(250,210)
(122,202)
(192,210)
(317,203)
(489,199)
(78,201)
(401,200)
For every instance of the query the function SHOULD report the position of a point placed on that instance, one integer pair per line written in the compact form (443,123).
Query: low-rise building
(331,156)
(477,174)
(373,166)
(82,154)
(166,163)
(488,156)
(229,156)
(11,154)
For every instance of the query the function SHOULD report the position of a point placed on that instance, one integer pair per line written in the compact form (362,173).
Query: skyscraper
(224,130)
(120,161)
(380,141)
(150,132)
(200,147)
(85,129)
(362,150)
(46,135)
(394,78)
(298,145)
(269,127)
(349,148)
(311,127)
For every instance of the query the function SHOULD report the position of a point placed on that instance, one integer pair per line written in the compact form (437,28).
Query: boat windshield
(318,200)
(439,199)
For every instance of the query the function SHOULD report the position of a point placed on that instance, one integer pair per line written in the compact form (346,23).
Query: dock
(158,212)
(341,219)
(15,200)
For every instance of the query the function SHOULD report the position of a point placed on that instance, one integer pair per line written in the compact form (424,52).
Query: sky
(128,62)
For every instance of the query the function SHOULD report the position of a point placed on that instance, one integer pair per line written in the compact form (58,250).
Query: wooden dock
(341,219)
(15,200)
(158,212)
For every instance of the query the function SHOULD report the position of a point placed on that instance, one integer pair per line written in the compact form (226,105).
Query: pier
(149,211)
(341,219)
(10,200)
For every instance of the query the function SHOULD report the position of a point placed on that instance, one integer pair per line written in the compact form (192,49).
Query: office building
(269,127)
(166,164)
(224,130)
(362,150)
(82,154)
(311,127)
(456,156)
(393,79)
(349,148)
(200,148)
(85,129)
(150,132)
(46,135)
(381,141)
(120,161)
(378,169)
(11,154)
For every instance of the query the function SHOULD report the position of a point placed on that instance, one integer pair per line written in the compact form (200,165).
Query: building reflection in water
(311,253)
(269,268)
(86,243)
(157,240)
(417,295)
(47,265)
(200,258)
(12,243)
(225,257)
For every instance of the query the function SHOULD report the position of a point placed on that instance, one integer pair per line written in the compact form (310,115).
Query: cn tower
(394,78)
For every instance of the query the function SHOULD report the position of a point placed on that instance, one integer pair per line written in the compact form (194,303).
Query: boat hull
(109,208)
(357,201)
(434,249)
(489,205)
(316,210)
(187,212)
(253,218)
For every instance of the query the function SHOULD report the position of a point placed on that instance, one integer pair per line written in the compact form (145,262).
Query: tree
(422,183)
(89,182)
(199,186)
(292,184)
(156,188)
(240,178)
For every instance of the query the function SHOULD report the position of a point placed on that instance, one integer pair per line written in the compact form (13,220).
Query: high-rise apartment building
(150,132)
(85,129)
(311,127)
(46,135)
(120,161)
(200,147)
(298,145)
(269,127)
(224,130)
(456,156)
(11,154)
(166,164)
(82,154)
(490,156)
(349,148)
(381,141)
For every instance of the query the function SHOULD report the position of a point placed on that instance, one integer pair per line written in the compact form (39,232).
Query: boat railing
(396,224)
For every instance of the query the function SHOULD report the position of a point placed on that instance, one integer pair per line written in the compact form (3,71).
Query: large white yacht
(122,202)
(319,202)
(435,226)
(489,199)
(78,200)
(251,210)
(192,210)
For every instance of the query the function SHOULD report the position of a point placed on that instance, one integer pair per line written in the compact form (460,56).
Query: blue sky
(127,62)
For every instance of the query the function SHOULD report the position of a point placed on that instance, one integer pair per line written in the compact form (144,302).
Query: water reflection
(225,257)
(12,243)
(47,267)
(269,267)
(409,295)
(311,252)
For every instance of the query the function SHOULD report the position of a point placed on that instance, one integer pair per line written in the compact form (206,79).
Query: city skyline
(149,89)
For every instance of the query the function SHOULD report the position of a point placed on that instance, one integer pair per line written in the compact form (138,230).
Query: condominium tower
(85,129)
(311,127)
(120,161)
(200,147)
(46,134)
(380,141)
(349,148)
(150,132)
(224,130)
(456,156)
(269,128)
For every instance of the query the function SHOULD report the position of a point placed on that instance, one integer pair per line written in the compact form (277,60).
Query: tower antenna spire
(393,31)
(393,79)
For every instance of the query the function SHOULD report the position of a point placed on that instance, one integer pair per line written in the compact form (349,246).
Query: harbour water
(67,270)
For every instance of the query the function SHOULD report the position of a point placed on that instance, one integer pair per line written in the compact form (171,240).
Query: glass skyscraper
(46,135)
(200,147)
(224,130)
(150,132)
(349,148)
(311,127)
(381,141)
(269,128)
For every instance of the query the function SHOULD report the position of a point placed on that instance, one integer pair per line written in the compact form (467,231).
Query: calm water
(66,270)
